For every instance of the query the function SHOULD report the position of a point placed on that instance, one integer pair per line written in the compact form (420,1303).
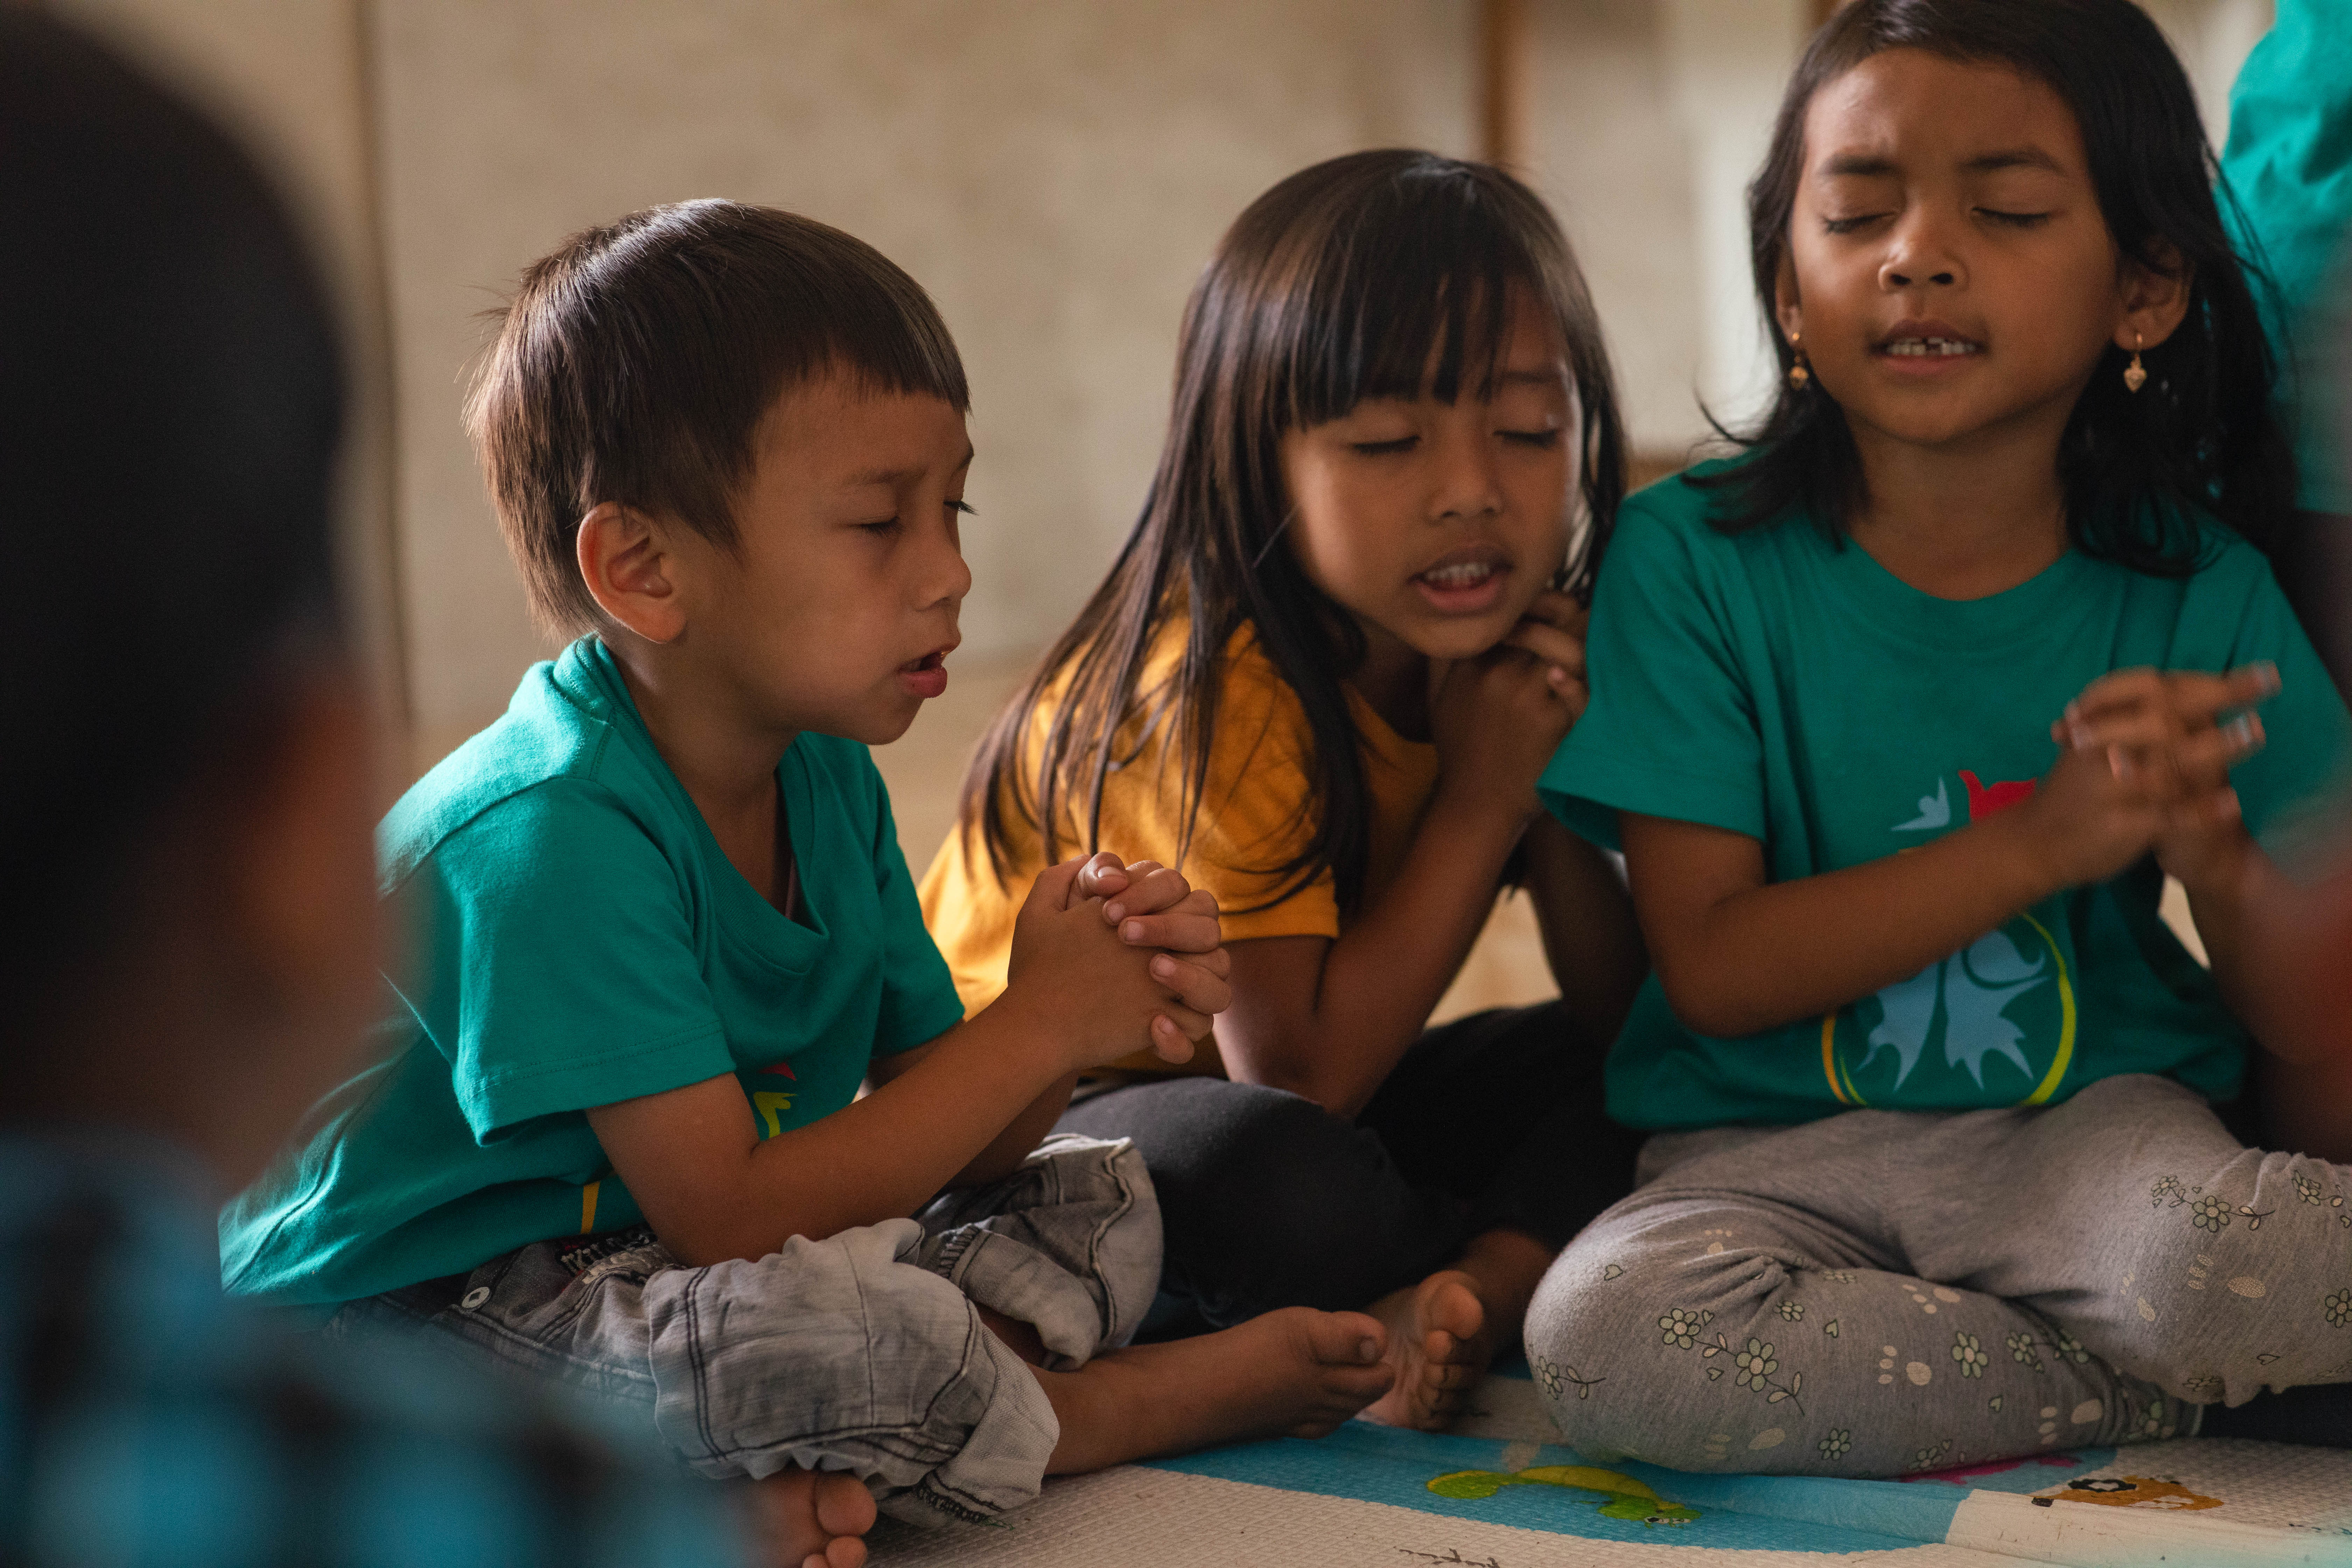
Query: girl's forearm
(1339,1039)
(1768,954)
(2306,1106)
(1586,918)
(2275,948)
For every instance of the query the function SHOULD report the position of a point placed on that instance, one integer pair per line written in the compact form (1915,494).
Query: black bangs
(1421,273)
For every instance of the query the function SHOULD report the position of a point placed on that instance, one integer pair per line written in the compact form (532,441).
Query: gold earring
(2136,374)
(1798,375)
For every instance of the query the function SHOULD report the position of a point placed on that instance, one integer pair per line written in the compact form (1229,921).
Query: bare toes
(844,1507)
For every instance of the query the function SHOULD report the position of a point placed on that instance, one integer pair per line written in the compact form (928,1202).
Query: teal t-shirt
(585,941)
(1781,686)
(2288,161)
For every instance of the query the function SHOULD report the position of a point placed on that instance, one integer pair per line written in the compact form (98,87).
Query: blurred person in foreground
(190,926)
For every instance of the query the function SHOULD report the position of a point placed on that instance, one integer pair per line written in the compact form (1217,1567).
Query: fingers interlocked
(2173,736)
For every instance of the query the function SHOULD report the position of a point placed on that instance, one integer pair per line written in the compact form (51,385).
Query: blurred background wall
(1054,172)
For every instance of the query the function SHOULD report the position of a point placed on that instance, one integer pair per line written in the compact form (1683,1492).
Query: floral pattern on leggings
(1764,1308)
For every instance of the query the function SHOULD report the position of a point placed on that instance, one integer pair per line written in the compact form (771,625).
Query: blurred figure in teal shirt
(2289,163)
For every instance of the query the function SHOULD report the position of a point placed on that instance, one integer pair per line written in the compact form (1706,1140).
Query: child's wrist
(2030,867)
(1038,1037)
(2215,868)
(1483,810)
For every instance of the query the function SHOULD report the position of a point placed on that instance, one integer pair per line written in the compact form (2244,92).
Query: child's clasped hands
(2145,766)
(1125,951)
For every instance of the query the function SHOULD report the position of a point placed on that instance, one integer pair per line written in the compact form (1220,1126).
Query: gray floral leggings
(1883,1292)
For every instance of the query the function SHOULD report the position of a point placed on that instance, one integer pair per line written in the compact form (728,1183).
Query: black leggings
(1266,1200)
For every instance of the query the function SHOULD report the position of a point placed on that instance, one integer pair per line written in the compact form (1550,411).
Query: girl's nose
(1468,485)
(1920,255)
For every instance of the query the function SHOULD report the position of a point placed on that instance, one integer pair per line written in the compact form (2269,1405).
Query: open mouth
(1468,581)
(926,677)
(1460,575)
(1929,348)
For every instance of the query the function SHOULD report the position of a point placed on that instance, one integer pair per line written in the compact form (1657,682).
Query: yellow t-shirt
(1256,813)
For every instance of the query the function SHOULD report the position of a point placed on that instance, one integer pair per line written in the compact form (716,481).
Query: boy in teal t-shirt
(569,892)
(613,1132)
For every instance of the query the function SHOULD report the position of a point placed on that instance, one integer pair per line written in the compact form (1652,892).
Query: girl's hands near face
(1553,632)
(2163,730)
(1498,719)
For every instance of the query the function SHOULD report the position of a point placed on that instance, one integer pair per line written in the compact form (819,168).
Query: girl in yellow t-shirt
(1341,645)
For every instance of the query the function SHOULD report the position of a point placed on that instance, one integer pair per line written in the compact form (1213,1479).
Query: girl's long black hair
(1338,284)
(2201,439)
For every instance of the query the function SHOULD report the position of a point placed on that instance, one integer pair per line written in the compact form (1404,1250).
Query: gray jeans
(859,1352)
(1883,1291)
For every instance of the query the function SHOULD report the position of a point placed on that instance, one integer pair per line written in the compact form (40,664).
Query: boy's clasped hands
(1080,930)
(2144,766)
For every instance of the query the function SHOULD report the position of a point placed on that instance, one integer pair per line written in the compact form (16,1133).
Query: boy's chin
(879,722)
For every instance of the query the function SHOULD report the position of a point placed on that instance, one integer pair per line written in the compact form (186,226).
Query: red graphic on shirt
(781,1068)
(1984,799)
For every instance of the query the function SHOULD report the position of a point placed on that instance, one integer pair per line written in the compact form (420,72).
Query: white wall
(1054,171)
(1610,151)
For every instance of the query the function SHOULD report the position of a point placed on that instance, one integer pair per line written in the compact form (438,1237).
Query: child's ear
(2154,297)
(1786,308)
(628,564)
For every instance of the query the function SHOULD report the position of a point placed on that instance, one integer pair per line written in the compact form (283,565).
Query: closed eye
(1543,441)
(2014,220)
(966,508)
(881,529)
(1383,448)
(1848,224)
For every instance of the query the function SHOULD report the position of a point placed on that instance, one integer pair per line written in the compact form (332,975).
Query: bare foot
(811,1518)
(1440,1341)
(1296,1372)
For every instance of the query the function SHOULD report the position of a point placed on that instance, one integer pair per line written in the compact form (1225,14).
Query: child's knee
(2203,1303)
(1582,1339)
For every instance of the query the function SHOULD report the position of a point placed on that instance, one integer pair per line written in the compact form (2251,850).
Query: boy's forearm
(1772,955)
(1585,916)
(1381,978)
(1012,1145)
(881,1157)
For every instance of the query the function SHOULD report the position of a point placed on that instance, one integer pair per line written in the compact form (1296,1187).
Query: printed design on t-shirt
(1984,799)
(771,1104)
(2005,997)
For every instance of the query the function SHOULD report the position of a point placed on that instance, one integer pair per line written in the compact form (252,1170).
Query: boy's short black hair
(634,361)
(170,407)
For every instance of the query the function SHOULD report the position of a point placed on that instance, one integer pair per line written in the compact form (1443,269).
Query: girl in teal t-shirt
(1901,718)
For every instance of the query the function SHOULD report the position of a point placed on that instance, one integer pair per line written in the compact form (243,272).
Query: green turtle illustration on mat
(1626,1497)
